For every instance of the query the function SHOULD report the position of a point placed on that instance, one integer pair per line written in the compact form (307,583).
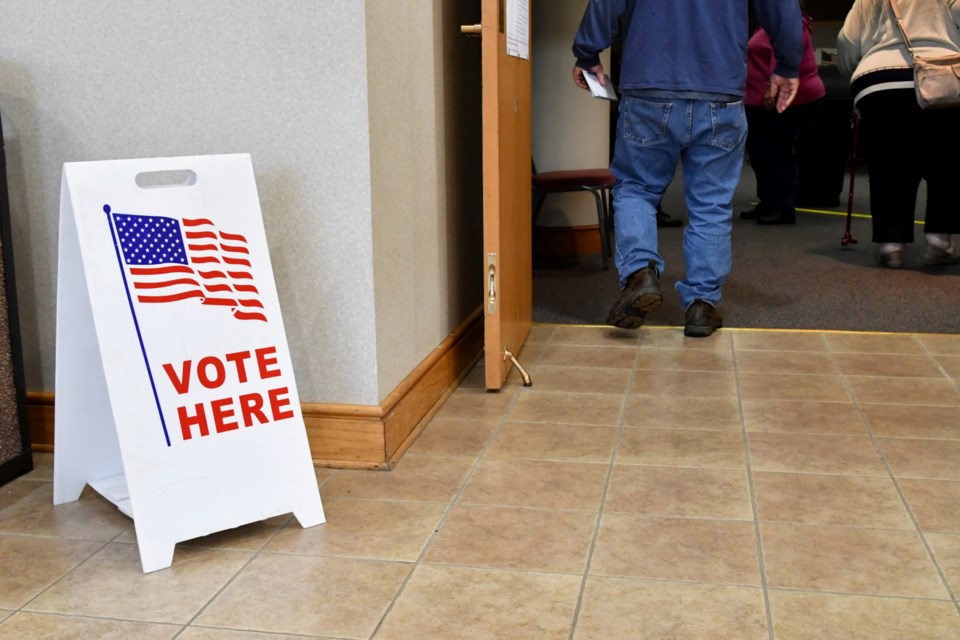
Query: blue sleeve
(597,30)
(782,20)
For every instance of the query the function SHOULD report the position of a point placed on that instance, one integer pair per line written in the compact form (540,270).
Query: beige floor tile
(806,362)
(122,590)
(673,338)
(800,453)
(682,448)
(207,633)
(622,608)
(537,484)
(924,391)
(311,596)
(447,437)
(28,565)
(482,604)
(416,477)
(872,343)
(940,344)
(568,408)
(884,364)
(946,552)
(37,626)
(779,341)
(370,529)
(950,364)
(563,355)
(804,417)
(15,490)
(570,443)
(685,384)
(829,499)
(821,616)
(935,503)
(716,551)
(844,559)
(679,491)
(788,386)
(601,336)
(685,359)
(671,412)
(512,538)
(922,458)
(540,333)
(248,537)
(90,518)
(476,403)
(42,467)
(906,421)
(580,379)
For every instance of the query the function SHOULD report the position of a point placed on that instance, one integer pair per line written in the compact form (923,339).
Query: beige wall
(570,128)
(424,84)
(371,238)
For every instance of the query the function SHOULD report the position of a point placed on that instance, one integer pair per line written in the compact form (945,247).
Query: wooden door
(507,227)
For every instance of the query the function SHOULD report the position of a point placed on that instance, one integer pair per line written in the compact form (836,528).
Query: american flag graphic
(173,259)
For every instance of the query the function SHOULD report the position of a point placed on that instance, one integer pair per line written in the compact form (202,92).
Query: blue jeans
(653,134)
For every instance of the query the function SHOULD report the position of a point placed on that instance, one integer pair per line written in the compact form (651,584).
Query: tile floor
(753,485)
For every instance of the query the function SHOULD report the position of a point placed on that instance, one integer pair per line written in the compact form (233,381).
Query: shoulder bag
(937,79)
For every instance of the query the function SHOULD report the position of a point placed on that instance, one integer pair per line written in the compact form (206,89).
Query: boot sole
(633,315)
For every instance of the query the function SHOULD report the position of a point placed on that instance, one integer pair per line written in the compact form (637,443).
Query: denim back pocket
(729,124)
(644,122)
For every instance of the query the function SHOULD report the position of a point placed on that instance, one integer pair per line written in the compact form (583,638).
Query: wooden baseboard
(352,436)
(562,242)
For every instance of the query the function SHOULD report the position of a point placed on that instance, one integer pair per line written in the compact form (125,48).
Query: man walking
(682,81)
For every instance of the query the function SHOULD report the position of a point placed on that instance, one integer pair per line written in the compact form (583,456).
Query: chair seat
(573,179)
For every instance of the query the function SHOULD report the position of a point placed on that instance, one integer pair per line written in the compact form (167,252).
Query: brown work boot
(640,295)
(701,319)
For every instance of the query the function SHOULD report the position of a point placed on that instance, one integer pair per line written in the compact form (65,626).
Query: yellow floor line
(739,329)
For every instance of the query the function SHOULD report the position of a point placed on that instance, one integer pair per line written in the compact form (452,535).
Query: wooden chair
(595,181)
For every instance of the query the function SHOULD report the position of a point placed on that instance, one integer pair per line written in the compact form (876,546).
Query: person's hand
(782,91)
(581,82)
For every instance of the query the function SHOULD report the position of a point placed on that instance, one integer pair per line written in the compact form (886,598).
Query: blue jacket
(688,46)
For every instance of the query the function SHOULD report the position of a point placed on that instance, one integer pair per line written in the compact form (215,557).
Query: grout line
(606,488)
(243,567)
(896,484)
(531,367)
(753,500)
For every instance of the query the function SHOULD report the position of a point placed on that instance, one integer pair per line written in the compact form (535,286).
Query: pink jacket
(761,63)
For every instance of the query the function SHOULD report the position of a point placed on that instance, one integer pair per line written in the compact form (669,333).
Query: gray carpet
(784,277)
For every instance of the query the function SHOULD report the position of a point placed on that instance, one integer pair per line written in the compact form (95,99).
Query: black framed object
(15,455)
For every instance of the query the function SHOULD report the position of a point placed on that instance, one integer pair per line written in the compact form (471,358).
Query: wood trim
(564,242)
(40,420)
(347,436)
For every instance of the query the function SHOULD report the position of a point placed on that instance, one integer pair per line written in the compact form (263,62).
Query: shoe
(783,216)
(933,255)
(642,294)
(701,319)
(664,219)
(892,259)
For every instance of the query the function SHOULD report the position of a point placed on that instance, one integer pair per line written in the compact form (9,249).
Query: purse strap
(906,39)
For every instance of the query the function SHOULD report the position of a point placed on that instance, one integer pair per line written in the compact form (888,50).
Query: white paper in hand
(605,92)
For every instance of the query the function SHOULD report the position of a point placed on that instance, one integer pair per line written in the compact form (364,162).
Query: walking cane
(847,237)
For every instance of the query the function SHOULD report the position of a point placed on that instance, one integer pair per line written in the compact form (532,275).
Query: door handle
(471,30)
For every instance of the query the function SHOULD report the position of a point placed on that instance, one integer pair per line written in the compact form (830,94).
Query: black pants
(772,147)
(903,144)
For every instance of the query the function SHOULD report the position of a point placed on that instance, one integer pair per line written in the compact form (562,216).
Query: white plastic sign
(175,395)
